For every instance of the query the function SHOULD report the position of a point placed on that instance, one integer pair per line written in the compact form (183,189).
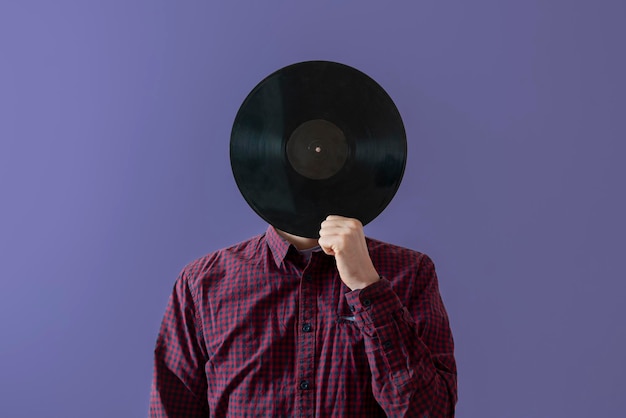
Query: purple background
(114,125)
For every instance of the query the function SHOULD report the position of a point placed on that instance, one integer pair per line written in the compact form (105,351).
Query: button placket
(306,344)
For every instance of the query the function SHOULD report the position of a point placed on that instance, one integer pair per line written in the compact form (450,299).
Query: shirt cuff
(377,300)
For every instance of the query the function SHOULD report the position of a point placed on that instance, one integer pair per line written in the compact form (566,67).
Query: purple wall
(114,125)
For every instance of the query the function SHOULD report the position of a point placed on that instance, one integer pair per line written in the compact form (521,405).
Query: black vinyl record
(314,139)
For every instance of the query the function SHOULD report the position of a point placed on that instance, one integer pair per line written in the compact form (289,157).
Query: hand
(344,238)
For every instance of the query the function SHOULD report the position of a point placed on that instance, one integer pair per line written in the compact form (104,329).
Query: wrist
(361,283)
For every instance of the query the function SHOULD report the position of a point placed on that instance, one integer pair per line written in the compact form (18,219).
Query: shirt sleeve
(178,383)
(409,348)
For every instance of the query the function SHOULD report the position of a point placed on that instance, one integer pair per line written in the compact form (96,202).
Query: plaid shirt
(259,330)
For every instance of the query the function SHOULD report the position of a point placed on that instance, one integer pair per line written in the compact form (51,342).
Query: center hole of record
(317,149)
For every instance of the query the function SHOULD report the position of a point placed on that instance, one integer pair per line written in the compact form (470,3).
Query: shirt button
(304,385)
(352,308)
(387,345)
(367,302)
(307,327)
(308,277)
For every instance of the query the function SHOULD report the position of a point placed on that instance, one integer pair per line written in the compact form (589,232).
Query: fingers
(338,232)
(340,225)
(331,218)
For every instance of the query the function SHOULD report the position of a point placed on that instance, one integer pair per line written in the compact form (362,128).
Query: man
(286,326)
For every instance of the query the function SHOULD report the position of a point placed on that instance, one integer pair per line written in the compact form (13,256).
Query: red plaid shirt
(257,330)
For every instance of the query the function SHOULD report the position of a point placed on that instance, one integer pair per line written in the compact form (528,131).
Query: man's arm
(411,353)
(412,364)
(179,384)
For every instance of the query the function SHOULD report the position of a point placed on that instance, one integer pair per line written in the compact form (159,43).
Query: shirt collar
(277,244)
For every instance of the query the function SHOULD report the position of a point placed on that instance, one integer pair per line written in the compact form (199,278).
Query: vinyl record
(314,139)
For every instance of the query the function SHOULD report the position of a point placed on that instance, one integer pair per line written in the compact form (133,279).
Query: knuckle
(354,224)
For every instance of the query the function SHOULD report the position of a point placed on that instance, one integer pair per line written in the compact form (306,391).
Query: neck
(301,243)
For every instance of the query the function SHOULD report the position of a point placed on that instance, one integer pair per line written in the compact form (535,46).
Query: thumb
(326,246)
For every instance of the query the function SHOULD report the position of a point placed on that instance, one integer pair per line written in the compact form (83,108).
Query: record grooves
(314,139)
